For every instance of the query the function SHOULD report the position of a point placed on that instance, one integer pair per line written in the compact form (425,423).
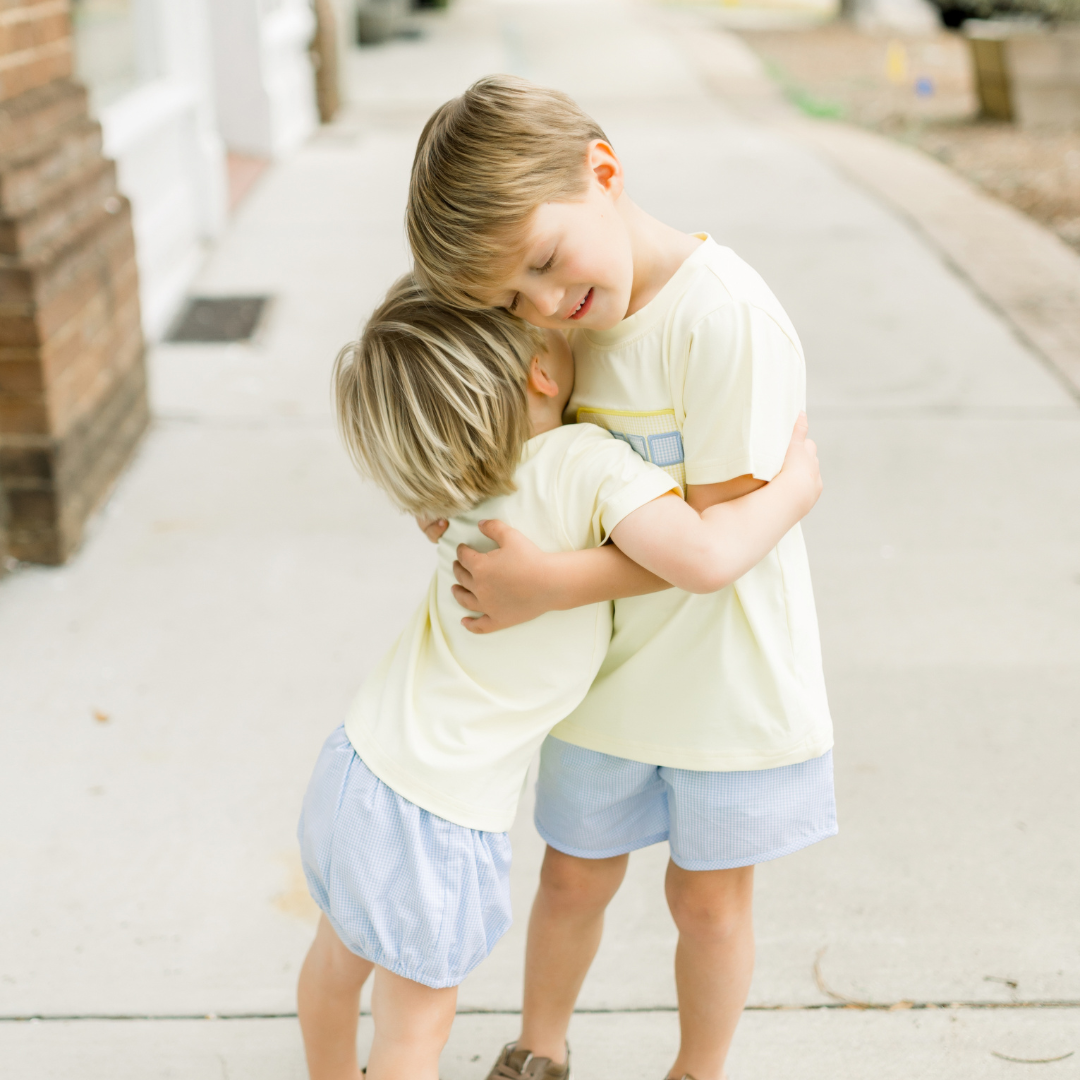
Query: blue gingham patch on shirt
(666,449)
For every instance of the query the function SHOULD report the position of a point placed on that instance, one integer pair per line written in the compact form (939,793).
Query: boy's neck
(658,251)
(545,414)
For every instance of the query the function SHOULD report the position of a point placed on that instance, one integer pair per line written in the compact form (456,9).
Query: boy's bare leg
(714,960)
(565,925)
(328,1000)
(412,1024)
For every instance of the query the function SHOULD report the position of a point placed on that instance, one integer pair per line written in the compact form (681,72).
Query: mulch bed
(920,91)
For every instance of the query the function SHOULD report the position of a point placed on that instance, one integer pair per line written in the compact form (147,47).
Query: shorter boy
(403,831)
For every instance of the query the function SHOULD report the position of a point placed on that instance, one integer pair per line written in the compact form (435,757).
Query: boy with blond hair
(403,831)
(707,724)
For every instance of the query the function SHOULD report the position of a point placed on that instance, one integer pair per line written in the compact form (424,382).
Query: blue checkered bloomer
(596,805)
(410,891)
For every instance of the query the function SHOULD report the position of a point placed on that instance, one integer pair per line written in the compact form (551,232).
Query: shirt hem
(420,794)
(696,759)
(718,472)
(640,492)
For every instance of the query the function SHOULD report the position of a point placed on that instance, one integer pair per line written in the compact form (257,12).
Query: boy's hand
(801,465)
(432,528)
(507,585)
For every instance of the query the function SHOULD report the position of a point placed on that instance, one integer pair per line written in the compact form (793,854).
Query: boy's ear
(540,382)
(605,167)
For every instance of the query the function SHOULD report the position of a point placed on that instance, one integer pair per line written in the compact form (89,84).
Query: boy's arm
(517,582)
(702,496)
(718,546)
(618,574)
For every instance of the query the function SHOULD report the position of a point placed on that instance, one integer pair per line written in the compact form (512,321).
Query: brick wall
(72,380)
(35,45)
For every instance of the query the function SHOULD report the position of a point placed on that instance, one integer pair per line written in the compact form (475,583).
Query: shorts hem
(397,968)
(768,856)
(606,853)
(689,758)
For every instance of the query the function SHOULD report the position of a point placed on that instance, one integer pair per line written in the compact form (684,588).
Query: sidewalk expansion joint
(259,423)
(825,1006)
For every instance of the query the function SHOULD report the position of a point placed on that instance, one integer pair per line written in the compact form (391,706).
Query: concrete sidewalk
(242,581)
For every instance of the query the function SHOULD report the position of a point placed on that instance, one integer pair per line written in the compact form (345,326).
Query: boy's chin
(604,315)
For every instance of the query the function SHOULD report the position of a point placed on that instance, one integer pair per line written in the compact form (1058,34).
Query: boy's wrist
(552,584)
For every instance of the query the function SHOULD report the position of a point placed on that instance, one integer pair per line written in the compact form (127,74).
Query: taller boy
(708,724)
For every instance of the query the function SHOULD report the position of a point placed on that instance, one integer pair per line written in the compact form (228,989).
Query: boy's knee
(335,961)
(580,884)
(714,904)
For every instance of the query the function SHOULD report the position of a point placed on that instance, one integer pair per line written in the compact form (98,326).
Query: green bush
(1054,10)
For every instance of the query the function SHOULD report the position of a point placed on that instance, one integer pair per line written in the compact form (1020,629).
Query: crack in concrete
(837,1006)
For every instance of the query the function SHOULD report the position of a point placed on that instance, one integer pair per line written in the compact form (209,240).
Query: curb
(1024,272)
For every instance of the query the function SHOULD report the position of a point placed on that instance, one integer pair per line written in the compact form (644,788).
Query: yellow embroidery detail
(653,435)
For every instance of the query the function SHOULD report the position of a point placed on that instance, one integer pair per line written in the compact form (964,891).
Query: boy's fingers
(481,625)
(495,530)
(468,557)
(465,598)
(802,425)
(432,528)
(463,576)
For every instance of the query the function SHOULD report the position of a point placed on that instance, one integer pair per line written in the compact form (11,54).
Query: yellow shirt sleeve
(745,383)
(602,480)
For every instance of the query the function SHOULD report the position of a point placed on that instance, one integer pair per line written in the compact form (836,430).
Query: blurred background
(195,100)
(200,203)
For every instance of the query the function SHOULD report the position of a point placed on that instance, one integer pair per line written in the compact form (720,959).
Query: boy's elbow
(709,581)
(707,573)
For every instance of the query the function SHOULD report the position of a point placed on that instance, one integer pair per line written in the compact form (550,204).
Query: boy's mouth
(583,307)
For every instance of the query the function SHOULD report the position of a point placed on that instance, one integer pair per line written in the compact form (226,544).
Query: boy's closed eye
(512,306)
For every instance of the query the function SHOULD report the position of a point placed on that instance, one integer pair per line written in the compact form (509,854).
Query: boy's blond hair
(431,401)
(484,163)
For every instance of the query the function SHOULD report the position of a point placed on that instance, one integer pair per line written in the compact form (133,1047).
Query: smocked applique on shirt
(653,436)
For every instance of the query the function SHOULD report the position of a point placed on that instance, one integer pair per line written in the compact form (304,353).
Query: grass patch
(801,98)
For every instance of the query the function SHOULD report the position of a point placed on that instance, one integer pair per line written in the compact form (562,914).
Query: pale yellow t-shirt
(449,719)
(706,381)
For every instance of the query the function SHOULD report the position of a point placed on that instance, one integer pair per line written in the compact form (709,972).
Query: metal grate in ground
(215,319)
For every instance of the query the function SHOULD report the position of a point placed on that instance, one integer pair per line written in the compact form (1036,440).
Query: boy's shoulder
(547,458)
(723,277)
(722,282)
(578,457)
(572,481)
(560,441)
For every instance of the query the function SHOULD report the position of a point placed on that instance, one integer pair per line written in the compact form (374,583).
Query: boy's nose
(547,301)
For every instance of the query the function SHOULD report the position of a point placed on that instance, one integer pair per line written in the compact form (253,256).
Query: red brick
(72,380)
(23,415)
(35,67)
(36,117)
(21,377)
(85,195)
(36,174)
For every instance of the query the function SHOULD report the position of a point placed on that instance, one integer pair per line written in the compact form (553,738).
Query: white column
(170,157)
(265,86)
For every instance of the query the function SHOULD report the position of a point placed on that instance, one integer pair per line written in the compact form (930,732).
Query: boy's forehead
(522,248)
(498,288)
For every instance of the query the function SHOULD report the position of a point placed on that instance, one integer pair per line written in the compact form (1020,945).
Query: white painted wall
(170,157)
(213,73)
(265,87)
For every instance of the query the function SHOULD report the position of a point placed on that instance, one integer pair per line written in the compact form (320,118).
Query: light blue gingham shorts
(410,891)
(595,805)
